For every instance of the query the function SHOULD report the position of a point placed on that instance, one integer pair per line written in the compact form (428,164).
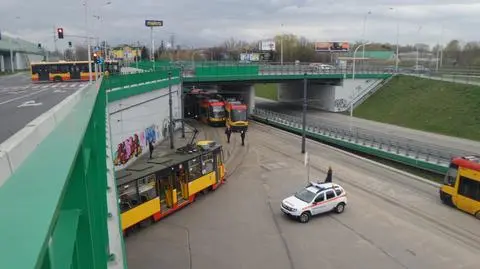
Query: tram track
(442,225)
(232,150)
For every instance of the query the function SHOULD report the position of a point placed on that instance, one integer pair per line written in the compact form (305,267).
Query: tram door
(217,166)
(183,179)
(165,189)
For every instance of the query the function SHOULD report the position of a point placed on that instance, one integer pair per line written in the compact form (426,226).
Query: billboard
(332,46)
(249,57)
(267,45)
(153,23)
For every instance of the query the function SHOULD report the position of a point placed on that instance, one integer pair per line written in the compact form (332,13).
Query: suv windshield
(305,195)
(239,115)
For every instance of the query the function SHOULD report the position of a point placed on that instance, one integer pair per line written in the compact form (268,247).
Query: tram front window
(239,115)
(217,112)
(451,176)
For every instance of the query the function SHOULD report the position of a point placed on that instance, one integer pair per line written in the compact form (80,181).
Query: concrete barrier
(18,147)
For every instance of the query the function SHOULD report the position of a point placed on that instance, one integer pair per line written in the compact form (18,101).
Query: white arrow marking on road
(59,91)
(30,103)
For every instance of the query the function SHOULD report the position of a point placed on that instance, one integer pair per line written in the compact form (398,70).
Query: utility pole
(89,50)
(55,38)
(170,105)
(183,102)
(304,112)
(172,46)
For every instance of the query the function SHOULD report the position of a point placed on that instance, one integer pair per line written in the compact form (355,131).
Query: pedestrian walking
(329,175)
(150,148)
(228,132)
(242,135)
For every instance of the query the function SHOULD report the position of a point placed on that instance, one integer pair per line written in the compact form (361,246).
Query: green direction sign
(153,23)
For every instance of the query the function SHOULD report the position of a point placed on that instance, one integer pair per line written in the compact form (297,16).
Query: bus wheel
(477,215)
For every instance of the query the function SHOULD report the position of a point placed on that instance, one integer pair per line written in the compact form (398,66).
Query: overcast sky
(209,22)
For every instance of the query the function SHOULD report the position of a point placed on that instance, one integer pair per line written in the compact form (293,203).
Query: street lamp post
(353,74)
(89,49)
(304,112)
(281,47)
(398,33)
(363,33)
(416,46)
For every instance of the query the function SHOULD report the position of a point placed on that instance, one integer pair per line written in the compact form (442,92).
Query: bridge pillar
(319,95)
(2,63)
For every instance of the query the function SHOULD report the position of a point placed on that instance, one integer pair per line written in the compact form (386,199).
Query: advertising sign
(332,46)
(267,45)
(250,57)
(153,23)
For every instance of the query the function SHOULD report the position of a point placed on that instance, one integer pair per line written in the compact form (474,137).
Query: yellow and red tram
(150,191)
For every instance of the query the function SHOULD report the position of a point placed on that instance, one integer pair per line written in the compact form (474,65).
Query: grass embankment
(430,105)
(268,91)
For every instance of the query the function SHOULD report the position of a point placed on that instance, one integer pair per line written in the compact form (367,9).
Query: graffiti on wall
(341,104)
(133,146)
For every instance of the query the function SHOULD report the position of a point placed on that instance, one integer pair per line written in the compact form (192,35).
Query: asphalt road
(378,130)
(391,221)
(21,101)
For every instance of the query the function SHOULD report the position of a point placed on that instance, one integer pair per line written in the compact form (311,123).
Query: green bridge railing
(54,206)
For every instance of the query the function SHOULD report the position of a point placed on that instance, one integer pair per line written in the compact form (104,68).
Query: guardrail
(428,159)
(54,206)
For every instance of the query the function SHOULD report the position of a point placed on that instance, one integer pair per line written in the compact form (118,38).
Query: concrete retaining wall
(18,147)
(137,119)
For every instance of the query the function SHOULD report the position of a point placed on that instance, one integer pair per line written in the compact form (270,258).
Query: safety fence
(54,212)
(425,158)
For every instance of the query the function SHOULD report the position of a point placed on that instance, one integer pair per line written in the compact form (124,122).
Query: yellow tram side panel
(201,183)
(139,213)
(464,203)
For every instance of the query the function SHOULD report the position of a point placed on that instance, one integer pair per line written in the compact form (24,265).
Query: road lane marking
(59,91)
(23,96)
(30,103)
(45,86)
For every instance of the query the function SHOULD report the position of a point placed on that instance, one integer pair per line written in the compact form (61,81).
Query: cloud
(200,23)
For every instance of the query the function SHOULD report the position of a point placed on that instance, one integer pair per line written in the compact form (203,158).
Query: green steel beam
(36,191)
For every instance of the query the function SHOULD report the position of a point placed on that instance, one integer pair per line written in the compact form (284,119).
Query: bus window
(207,163)
(194,169)
(147,188)
(469,188)
(451,176)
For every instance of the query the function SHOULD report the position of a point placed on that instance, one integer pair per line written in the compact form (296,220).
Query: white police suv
(316,198)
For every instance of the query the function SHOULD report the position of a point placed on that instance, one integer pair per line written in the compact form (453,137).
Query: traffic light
(60,33)
(39,45)
(69,44)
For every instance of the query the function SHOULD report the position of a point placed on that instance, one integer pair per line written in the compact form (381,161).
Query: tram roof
(154,165)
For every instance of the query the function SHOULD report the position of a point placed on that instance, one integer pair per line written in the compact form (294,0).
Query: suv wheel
(305,217)
(340,208)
